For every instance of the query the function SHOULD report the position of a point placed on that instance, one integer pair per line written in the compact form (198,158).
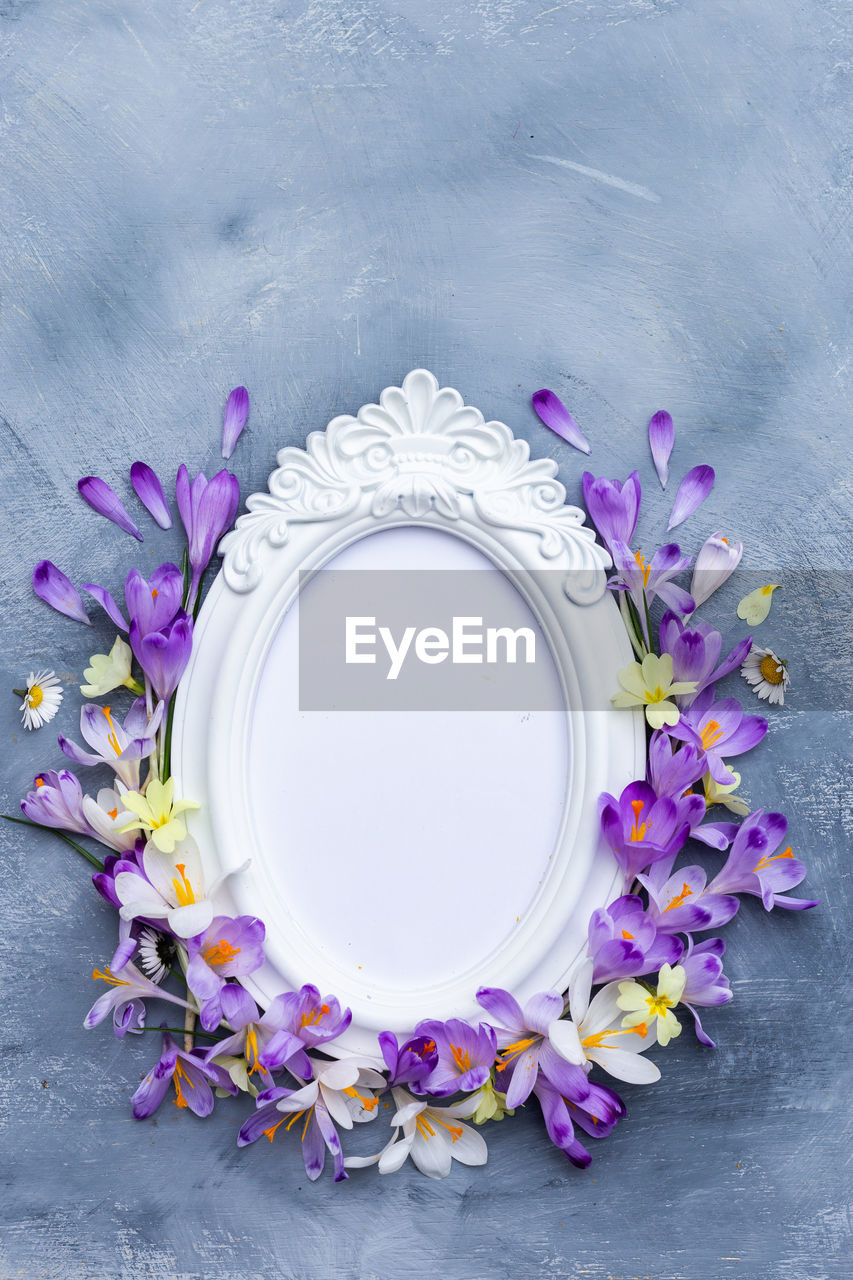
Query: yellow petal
(660,713)
(755,607)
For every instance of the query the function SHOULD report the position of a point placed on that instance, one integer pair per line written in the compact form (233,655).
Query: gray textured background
(640,203)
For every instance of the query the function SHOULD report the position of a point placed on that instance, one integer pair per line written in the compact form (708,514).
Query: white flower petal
(563,1035)
(624,1065)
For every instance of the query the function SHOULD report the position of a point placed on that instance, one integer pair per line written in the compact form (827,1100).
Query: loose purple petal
(236,413)
(556,416)
(51,585)
(150,493)
(102,499)
(107,603)
(692,492)
(661,439)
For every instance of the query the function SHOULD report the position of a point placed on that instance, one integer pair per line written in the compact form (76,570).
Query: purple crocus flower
(164,654)
(306,1019)
(695,652)
(121,747)
(152,604)
(207,509)
(681,903)
(236,413)
(51,585)
(613,506)
(410,1063)
(192,1077)
(692,492)
(128,987)
(641,828)
(105,501)
(706,985)
(466,1055)
(719,729)
(661,440)
(150,493)
(56,801)
(252,1030)
(229,948)
(753,865)
(671,773)
(646,582)
(598,1115)
(557,418)
(533,1041)
(623,941)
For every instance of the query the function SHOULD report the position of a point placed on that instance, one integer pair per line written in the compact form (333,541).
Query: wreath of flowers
(648,956)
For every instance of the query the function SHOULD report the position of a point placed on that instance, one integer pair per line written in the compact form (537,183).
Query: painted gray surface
(637,202)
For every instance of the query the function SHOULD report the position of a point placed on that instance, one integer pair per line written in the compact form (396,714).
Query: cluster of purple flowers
(545,1048)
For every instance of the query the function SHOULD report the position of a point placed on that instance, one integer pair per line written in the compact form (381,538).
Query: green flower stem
(90,857)
(166,751)
(179,1031)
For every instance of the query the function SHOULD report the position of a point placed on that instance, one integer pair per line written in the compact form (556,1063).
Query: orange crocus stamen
(367,1102)
(221,952)
(110,977)
(515,1049)
(639,829)
(461,1058)
(112,738)
(180,1074)
(711,733)
(311,1019)
(646,568)
(765,861)
(686,892)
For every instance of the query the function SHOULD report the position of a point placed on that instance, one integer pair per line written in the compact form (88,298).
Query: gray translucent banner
(460,640)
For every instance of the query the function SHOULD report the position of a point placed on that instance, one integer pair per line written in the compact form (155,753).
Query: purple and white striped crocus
(646,581)
(623,941)
(613,506)
(533,1041)
(466,1056)
(127,986)
(409,1063)
(163,655)
(106,502)
(54,588)
(306,1020)
(150,493)
(338,1093)
(695,652)
(705,983)
(753,865)
(683,902)
(121,747)
(194,1080)
(207,508)
(228,948)
(719,729)
(641,828)
(56,801)
(251,1030)
(716,562)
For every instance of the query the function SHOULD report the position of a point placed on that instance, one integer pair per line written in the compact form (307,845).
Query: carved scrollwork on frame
(425,453)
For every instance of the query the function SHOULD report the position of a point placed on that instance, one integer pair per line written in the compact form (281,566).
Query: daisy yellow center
(461,1057)
(220,952)
(771,669)
(639,829)
(310,1019)
(711,733)
(646,569)
(184,891)
(35,697)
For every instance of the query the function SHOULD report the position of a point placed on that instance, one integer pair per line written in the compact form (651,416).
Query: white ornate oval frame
(420,457)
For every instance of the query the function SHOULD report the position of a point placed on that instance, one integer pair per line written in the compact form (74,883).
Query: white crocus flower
(106,813)
(433,1136)
(600,1036)
(173,891)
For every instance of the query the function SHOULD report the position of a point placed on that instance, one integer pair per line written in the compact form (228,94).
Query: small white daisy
(767,673)
(42,697)
(156,953)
